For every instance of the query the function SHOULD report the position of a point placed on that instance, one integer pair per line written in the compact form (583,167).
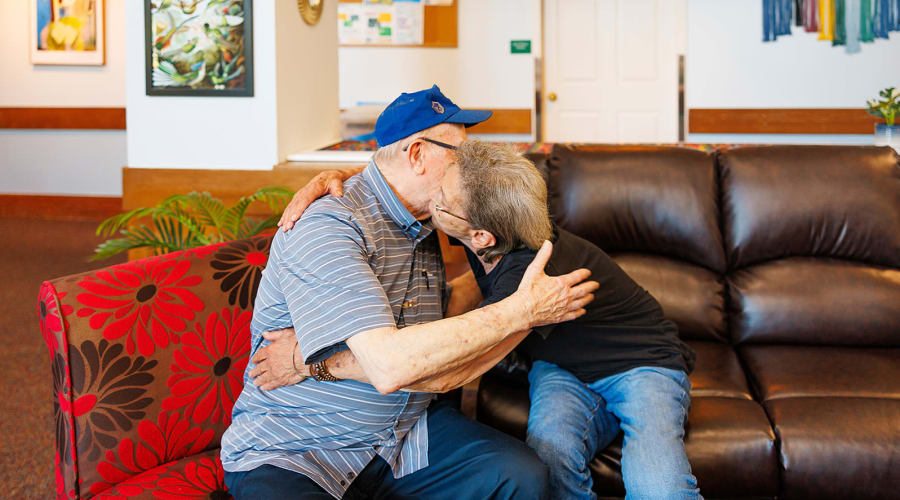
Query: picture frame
(67,32)
(199,48)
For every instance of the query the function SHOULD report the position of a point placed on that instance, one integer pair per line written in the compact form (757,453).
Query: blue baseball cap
(416,111)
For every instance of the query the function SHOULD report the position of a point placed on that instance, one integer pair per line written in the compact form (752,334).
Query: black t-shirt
(623,328)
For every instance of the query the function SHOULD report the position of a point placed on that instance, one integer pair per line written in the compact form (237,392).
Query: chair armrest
(468,401)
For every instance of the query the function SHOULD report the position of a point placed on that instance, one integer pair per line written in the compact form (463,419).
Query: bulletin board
(440,27)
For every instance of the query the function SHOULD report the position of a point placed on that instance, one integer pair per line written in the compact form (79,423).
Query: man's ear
(416,161)
(483,239)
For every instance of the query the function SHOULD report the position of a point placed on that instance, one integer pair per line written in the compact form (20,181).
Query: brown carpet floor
(32,251)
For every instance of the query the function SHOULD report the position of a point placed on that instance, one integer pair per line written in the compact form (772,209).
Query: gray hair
(388,152)
(503,193)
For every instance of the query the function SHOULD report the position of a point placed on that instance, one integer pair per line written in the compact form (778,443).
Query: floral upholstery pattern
(147,359)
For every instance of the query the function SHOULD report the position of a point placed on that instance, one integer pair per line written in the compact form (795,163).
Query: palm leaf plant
(190,220)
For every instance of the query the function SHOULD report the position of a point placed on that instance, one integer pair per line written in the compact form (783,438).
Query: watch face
(310,10)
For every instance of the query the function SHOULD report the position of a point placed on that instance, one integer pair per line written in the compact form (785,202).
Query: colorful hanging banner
(845,23)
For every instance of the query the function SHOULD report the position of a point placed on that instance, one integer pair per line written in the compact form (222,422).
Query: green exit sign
(520,46)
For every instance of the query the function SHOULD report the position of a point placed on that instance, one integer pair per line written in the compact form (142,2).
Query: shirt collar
(392,205)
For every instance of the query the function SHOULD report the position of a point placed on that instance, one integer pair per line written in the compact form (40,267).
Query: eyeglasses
(437,143)
(442,209)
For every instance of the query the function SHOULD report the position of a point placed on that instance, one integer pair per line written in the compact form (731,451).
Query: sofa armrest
(148,358)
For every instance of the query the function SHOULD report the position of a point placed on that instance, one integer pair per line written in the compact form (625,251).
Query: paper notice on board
(351,25)
(379,23)
(409,22)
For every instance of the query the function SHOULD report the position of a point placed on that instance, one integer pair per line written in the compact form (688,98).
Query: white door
(612,70)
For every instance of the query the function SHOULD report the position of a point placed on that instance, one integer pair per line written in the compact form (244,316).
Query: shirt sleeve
(331,290)
(506,283)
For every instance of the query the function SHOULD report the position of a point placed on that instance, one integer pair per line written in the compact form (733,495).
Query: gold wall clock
(310,10)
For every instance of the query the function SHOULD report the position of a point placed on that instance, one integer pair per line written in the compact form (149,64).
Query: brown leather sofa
(781,267)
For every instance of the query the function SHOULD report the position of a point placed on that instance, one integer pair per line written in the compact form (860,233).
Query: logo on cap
(436,106)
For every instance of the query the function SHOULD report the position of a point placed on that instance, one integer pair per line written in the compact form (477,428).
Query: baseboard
(49,207)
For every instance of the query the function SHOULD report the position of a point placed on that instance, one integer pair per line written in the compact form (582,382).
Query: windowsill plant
(888,109)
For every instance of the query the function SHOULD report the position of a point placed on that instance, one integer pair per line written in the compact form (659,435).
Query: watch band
(320,372)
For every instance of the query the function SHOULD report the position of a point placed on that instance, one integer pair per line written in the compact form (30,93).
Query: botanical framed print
(199,47)
(67,32)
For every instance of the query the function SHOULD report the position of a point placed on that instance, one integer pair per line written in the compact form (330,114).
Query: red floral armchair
(147,359)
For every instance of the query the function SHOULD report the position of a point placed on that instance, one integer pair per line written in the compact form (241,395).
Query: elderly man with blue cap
(364,272)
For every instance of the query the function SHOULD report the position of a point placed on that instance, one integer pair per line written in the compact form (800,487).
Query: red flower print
(201,479)
(147,300)
(239,265)
(169,439)
(51,316)
(208,371)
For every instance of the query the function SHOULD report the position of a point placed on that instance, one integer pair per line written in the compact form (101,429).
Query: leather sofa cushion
(838,448)
(729,440)
(503,404)
(817,371)
(659,200)
(691,296)
(718,372)
(729,443)
(503,400)
(816,301)
(823,201)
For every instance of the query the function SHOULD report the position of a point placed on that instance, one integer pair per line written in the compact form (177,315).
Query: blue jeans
(570,421)
(465,460)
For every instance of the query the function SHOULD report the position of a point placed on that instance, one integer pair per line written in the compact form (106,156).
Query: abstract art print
(67,32)
(199,47)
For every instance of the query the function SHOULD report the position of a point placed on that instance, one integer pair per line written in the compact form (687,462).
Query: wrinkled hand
(554,299)
(275,362)
(327,182)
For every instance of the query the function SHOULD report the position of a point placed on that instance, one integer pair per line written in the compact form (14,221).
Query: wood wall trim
(505,121)
(31,206)
(63,118)
(780,121)
(144,187)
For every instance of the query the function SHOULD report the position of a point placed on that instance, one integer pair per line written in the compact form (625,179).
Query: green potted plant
(190,220)
(888,109)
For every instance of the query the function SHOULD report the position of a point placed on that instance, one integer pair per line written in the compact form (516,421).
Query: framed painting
(199,47)
(67,32)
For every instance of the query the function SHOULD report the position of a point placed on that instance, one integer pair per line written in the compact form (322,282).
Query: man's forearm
(344,365)
(468,372)
(393,358)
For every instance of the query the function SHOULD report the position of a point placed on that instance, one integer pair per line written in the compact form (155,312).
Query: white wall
(481,72)
(307,79)
(729,66)
(78,162)
(203,132)
(294,106)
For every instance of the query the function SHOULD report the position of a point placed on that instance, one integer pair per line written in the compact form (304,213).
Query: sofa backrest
(812,239)
(655,211)
(148,358)
(768,244)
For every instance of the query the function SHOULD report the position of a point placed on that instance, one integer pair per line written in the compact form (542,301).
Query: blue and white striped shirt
(350,264)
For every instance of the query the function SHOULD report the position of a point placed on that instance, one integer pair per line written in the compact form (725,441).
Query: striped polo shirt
(350,264)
